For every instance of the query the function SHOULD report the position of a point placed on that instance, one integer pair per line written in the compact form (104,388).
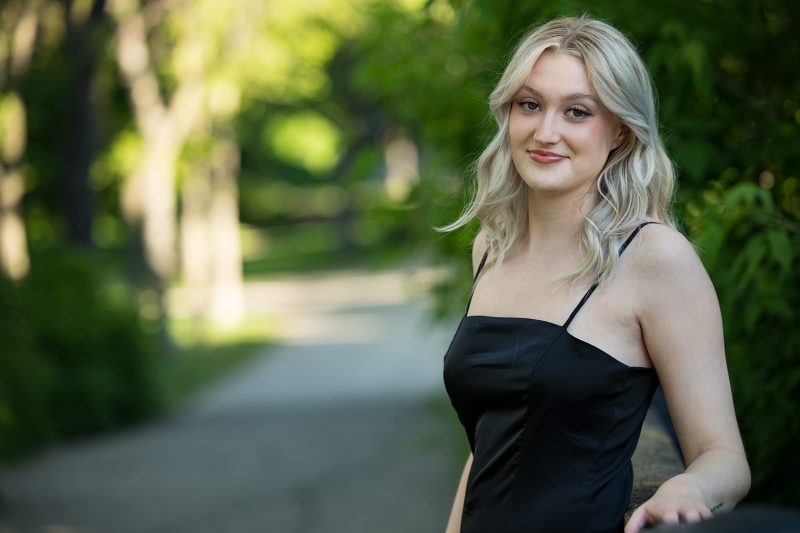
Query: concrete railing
(657,459)
(747,519)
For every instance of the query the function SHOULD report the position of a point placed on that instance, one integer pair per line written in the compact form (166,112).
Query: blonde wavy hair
(638,179)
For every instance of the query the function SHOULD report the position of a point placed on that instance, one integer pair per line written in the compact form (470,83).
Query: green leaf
(781,248)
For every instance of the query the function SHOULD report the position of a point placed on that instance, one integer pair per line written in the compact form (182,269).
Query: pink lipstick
(541,156)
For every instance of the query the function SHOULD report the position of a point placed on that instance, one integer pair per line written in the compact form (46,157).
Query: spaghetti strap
(580,304)
(480,266)
(474,281)
(633,234)
(594,286)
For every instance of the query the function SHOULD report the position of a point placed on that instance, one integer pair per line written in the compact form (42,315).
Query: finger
(705,513)
(671,517)
(637,521)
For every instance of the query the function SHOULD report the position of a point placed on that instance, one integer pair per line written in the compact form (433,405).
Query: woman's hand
(677,500)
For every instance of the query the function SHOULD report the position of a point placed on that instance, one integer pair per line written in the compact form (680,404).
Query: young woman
(585,297)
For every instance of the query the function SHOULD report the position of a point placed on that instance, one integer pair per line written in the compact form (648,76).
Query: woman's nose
(547,130)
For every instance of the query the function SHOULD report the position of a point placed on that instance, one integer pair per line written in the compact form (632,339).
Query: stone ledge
(654,461)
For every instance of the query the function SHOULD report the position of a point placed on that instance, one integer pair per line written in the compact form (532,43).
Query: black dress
(552,422)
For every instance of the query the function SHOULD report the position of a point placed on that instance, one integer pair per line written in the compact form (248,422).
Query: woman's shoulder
(479,246)
(663,254)
(661,246)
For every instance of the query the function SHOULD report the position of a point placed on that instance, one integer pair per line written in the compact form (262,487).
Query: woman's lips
(540,156)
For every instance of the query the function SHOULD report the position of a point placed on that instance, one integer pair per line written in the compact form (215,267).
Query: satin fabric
(552,422)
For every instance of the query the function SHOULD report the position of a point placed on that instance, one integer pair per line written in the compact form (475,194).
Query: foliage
(749,246)
(76,358)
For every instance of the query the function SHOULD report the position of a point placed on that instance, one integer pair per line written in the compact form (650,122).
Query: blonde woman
(585,297)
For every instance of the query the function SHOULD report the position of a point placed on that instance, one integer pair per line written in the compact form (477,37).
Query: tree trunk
(157,174)
(195,245)
(149,195)
(20,25)
(211,251)
(227,297)
(83,42)
(14,260)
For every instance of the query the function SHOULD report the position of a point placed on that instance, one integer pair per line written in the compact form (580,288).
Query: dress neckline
(563,330)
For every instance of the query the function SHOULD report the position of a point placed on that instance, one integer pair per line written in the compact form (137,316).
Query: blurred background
(218,271)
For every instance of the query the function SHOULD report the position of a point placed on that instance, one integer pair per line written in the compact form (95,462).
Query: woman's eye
(576,112)
(528,105)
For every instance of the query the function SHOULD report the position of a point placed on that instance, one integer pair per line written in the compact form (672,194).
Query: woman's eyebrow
(580,96)
(569,97)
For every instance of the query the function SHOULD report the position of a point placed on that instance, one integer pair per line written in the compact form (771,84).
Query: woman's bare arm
(682,328)
(454,524)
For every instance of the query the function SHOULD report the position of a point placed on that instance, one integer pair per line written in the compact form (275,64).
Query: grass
(307,262)
(192,369)
(311,247)
(205,355)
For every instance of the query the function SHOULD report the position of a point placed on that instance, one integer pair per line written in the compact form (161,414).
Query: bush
(76,358)
(748,242)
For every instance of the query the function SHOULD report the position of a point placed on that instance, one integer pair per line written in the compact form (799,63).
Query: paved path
(332,431)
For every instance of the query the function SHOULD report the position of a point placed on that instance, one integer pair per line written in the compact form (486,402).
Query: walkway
(335,430)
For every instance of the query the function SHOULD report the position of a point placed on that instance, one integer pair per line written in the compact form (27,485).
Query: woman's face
(560,133)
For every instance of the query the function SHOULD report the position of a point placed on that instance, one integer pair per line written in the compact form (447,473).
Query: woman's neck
(555,222)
